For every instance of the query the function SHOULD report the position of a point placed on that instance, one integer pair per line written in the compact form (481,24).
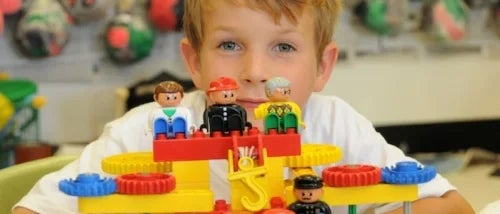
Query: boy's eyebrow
(281,30)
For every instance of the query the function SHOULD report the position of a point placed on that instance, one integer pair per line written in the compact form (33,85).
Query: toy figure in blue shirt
(171,120)
(308,190)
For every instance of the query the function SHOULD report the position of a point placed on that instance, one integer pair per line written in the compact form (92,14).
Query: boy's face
(223,97)
(169,99)
(248,46)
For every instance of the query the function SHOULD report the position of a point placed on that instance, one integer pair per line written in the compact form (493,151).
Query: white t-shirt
(329,120)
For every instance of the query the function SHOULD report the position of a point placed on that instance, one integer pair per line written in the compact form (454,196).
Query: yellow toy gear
(313,155)
(138,162)
(6,110)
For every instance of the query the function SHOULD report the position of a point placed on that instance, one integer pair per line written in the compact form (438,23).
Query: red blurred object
(162,14)
(10,6)
(1,22)
(25,152)
(118,37)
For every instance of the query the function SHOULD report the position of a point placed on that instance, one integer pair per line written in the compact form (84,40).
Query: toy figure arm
(149,126)
(296,109)
(260,112)
(205,119)
(190,121)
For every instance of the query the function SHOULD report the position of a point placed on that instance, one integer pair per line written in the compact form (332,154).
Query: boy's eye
(229,45)
(284,47)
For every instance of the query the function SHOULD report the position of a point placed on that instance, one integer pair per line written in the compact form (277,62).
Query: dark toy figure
(224,116)
(308,190)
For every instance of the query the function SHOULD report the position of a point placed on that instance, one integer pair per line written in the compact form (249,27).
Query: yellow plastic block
(380,193)
(249,185)
(134,162)
(295,172)
(176,201)
(191,174)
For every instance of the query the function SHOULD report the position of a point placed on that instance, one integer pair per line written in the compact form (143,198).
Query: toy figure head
(169,94)
(278,89)
(223,91)
(308,188)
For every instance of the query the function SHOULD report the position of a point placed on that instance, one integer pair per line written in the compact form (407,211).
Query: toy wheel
(88,185)
(351,175)
(145,183)
(140,162)
(314,154)
(408,172)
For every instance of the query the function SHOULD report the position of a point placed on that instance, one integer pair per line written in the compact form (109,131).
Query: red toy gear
(352,175)
(145,183)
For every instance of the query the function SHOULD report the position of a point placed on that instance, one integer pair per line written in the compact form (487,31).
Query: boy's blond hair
(325,14)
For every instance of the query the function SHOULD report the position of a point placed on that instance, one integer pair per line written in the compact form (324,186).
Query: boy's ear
(191,61)
(326,65)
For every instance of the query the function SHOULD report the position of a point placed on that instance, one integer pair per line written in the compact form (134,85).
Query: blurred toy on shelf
(166,15)
(43,29)
(19,116)
(128,36)
(170,120)
(84,11)
(224,116)
(445,19)
(280,114)
(384,17)
(8,7)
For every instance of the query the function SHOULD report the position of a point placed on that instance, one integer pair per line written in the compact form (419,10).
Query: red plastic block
(209,148)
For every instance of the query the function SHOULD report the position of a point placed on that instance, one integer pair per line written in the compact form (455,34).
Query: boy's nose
(255,72)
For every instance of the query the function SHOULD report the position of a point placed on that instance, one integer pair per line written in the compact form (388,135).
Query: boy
(252,41)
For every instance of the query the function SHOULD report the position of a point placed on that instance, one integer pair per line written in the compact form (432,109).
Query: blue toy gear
(88,185)
(408,172)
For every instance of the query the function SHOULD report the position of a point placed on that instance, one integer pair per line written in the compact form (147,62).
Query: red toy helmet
(221,84)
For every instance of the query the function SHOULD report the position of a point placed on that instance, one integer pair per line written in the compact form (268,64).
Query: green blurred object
(376,17)
(17,180)
(24,124)
(17,90)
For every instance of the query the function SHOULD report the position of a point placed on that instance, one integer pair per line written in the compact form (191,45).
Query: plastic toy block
(314,155)
(191,174)
(209,148)
(249,185)
(137,162)
(380,193)
(176,201)
(295,172)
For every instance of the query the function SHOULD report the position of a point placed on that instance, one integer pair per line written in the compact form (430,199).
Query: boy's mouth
(250,103)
